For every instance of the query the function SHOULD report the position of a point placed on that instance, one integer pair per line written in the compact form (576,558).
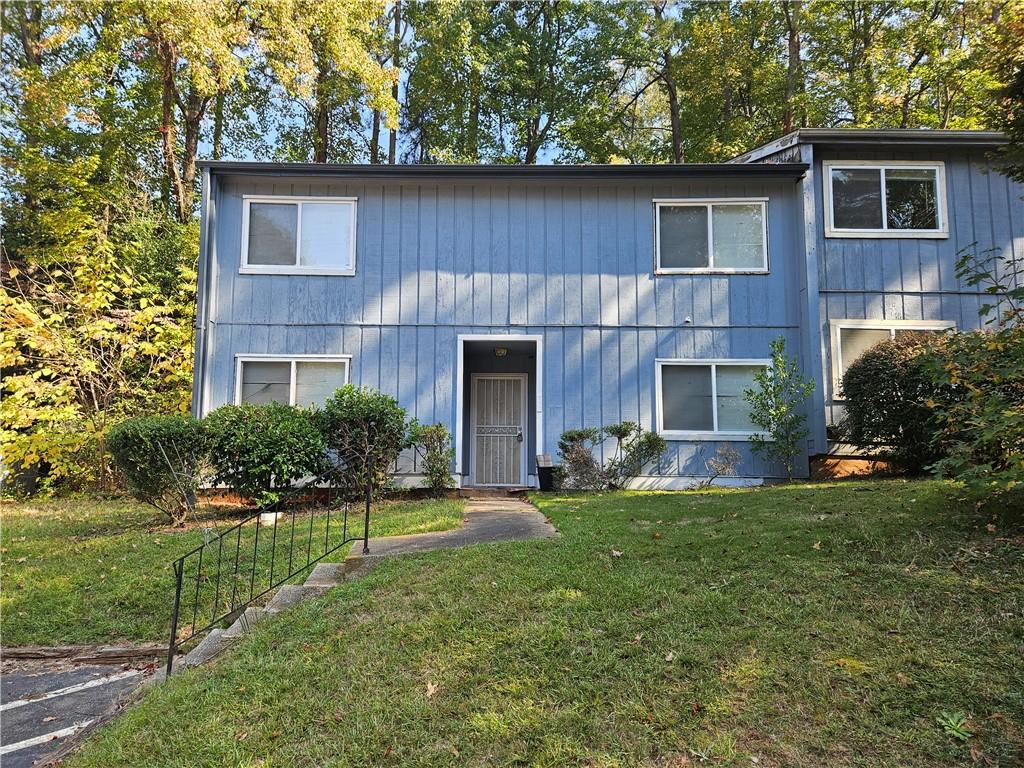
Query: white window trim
(296,269)
(940,199)
(837,326)
(715,434)
(293,359)
(707,203)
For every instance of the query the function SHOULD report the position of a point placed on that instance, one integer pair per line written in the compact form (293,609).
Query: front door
(499,429)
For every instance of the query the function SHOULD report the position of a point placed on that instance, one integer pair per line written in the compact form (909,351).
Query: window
(704,398)
(710,236)
(303,380)
(852,338)
(299,235)
(883,200)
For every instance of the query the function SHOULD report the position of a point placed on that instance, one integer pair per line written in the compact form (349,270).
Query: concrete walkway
(486,520)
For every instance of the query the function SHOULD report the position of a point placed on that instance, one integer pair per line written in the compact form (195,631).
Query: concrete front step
(211,645)
(326,575)
(245,622)
(292,594)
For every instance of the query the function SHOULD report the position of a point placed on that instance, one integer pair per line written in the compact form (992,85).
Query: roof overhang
(666,172)
(870,138)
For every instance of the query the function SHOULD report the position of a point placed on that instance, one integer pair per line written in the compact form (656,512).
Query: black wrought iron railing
(221,577)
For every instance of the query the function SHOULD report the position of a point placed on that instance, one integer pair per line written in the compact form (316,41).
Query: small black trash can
(545,473)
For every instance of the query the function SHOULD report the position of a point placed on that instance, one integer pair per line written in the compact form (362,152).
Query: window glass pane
(910,199)
(316,382)
(733,410)
(857,198)
(266,381)
(854,342)
(683,236)
(686,397)
(326,235)
(737,236)
(272,228)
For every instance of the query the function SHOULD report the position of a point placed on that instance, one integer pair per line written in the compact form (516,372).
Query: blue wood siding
(571,262)
(915,279)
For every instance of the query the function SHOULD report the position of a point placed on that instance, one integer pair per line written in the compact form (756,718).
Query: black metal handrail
(236,564)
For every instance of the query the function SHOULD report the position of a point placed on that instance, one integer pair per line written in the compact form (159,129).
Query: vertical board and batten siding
(571,261)
(915,278)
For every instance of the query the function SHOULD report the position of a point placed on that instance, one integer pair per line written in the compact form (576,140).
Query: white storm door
(499,429)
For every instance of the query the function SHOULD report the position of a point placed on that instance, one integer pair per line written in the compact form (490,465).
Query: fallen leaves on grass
(616,553)
(431,689)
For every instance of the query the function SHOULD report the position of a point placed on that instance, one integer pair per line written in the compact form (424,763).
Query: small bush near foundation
(890,395)
(635,448)
(434,444)
(161,459)
(581,471)
(366,430)
(262,452)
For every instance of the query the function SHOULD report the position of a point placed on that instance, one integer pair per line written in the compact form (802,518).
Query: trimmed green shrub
(434,444)
(366,430)
(261,451)
(635,448)
(580,470)
(161,459)
(890,392)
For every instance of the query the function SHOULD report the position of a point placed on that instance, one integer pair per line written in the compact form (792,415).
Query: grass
(88,571)
(870,624)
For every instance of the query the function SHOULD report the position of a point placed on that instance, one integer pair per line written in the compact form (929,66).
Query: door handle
(519,437)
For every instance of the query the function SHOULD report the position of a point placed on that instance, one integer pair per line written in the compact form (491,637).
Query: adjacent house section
(888,214)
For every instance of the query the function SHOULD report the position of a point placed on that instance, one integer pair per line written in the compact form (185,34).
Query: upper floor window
(307,380)
(299,235)
(699,399)
(852,338)
(693,236)
(885,199)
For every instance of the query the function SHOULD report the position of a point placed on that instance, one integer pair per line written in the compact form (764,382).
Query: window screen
(266,381)
(272,232)
(686,398)
(733,410)
(738,236)
(683,237)
(854,342)
(315,382)
(886,198)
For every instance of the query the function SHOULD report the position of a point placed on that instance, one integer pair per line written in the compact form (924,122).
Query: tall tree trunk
(673,109)
(167,54)
(395,57)
(321,118)
(375,137)
(794,68)
(218,126)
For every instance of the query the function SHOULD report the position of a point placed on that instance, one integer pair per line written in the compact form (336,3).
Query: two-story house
(513,303)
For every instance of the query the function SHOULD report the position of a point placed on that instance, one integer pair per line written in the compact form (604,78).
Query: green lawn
(840,625)
(77,571)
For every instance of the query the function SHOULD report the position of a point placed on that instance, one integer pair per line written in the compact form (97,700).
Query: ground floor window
(704,398)
(307,380)
(852,338)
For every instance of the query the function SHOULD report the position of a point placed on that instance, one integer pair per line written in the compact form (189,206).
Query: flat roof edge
(907,137)
(660,171)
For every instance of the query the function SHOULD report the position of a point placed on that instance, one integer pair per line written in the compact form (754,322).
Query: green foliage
(161,459)
(261,451)
(580,470)
(366,430)
(434,443)
(981,420)
(635,448)
(776,408)
(888,392)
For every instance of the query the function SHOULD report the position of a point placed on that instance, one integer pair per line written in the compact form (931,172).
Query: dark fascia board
(870,137)
(522,172)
